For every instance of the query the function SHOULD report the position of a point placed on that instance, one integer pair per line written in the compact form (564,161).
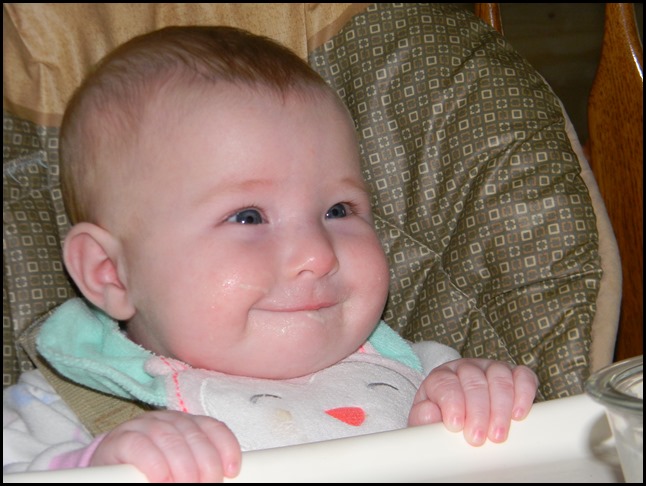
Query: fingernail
(456,424)
(478,436)
(499,434)
(518,413)
(232,469)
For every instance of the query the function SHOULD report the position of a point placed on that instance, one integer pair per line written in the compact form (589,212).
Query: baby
(220,216)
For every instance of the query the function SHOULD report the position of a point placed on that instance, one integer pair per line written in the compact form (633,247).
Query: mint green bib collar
(85,345)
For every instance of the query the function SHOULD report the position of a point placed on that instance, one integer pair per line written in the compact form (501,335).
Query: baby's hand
(172,446)
(478,396)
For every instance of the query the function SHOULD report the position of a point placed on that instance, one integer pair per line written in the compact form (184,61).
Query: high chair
(503,243)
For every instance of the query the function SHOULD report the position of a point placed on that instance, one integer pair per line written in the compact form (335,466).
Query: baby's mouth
(308,307)
(314,310)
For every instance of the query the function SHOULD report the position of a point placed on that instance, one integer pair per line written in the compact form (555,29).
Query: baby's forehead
(174,113)
(181,92)
(168,107)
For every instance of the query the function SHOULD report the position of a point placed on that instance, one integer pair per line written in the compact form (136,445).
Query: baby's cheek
(380,275)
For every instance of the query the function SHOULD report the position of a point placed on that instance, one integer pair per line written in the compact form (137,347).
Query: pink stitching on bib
(178,393)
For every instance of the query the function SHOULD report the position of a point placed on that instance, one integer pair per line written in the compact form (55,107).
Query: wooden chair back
(615,152)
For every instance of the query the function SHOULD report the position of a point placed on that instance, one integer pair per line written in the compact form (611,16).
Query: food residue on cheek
(233,284)
(255,288)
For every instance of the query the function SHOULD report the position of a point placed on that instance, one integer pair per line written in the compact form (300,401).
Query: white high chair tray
(564,440)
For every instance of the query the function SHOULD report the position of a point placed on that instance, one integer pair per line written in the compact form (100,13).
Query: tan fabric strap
(97,411)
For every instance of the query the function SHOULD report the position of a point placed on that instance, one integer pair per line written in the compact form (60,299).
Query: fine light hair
(102,119)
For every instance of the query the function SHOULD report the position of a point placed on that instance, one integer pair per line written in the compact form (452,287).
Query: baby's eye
(246,216)
(337,211)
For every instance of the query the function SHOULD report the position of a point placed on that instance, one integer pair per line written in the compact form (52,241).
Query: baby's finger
(443,388)
(200,449)
(133,447)
(172,438)
(478,409)
(423,413)
(217,450)
(501,393)
(525,385)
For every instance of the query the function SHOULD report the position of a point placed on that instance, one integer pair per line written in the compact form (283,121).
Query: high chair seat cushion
(492,233)
(478,191)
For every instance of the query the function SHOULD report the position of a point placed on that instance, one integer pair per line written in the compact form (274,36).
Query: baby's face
(253,251)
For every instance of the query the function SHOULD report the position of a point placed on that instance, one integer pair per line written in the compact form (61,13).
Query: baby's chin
(286,367)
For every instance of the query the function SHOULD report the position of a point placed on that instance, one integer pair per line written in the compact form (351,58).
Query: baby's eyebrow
(244,185)
(358,185)
(231,186)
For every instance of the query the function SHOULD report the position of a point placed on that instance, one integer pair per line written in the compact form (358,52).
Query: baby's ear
(93,259)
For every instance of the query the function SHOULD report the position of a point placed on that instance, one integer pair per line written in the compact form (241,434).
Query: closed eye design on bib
(254,399)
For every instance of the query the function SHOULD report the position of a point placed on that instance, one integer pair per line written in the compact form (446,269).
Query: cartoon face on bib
(362,394)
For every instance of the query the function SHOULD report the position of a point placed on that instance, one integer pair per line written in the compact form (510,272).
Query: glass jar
(620,388)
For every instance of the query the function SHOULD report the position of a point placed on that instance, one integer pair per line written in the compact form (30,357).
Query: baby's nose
(350,415)
(311,252)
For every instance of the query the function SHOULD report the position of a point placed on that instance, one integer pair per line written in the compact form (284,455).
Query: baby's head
(214,182)
(104,118)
